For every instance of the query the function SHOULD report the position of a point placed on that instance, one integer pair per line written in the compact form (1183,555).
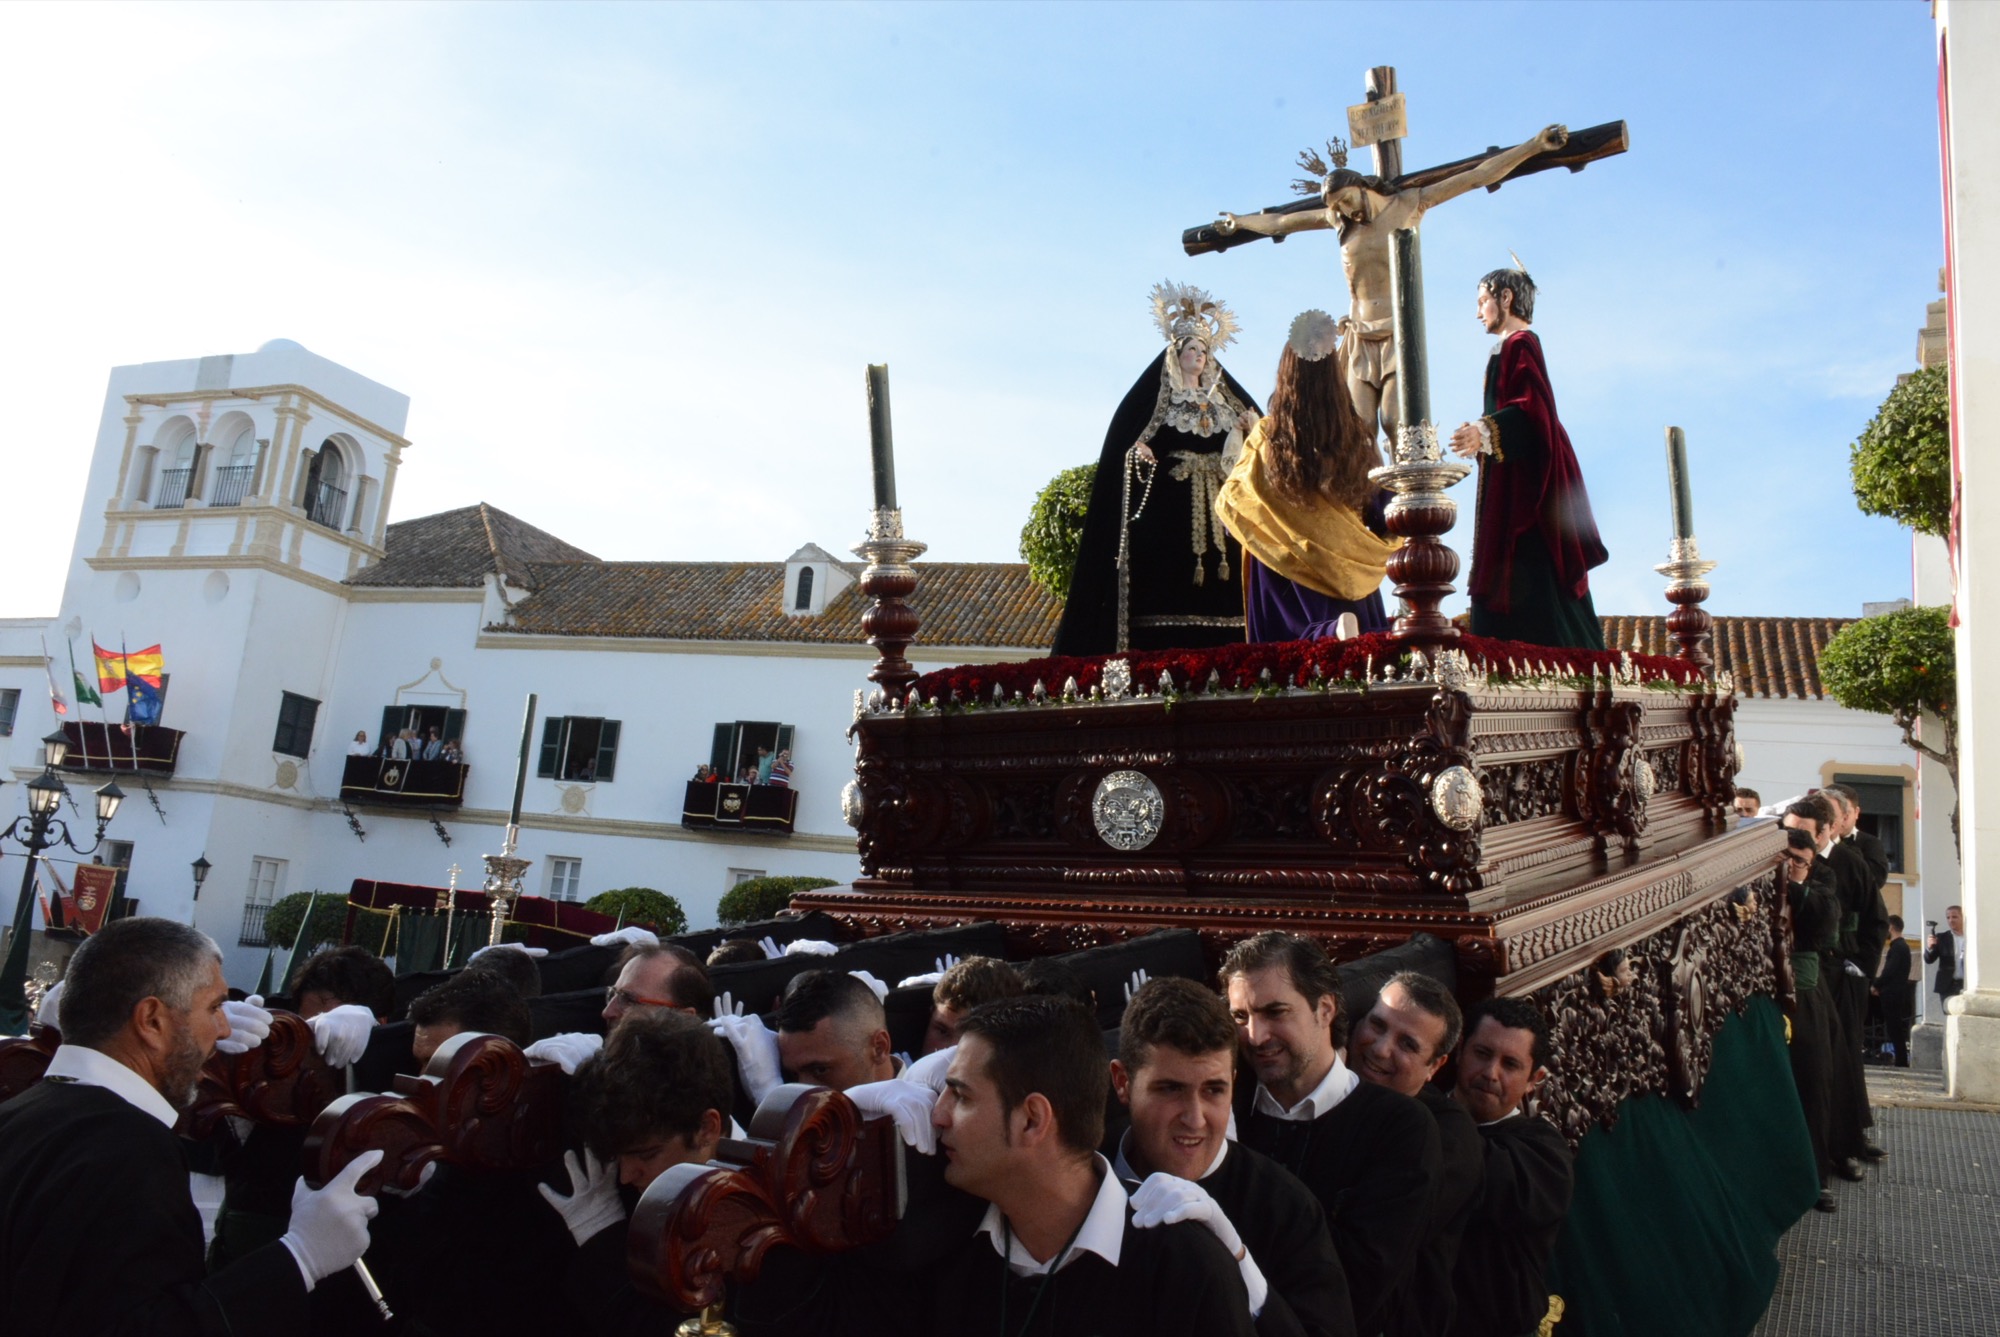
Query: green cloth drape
(421,944)
(1677,1213)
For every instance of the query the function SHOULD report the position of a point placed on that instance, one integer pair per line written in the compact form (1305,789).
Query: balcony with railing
(232,484)
(96,745)
(398,783)
(325,504)
(739,807)
(173,489)
(253,933)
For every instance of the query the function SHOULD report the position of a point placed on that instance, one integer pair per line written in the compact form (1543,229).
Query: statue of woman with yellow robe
(1300,503)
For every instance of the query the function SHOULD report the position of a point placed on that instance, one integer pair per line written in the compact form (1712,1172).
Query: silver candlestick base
(1684,567)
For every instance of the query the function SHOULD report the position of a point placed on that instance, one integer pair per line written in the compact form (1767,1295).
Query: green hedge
(763,897)
(643,907)
(1055,528)
(1902,462)
(329,921)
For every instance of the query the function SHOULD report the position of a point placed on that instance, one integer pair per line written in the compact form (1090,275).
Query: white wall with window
(10,707)
(267,884)
(565,878)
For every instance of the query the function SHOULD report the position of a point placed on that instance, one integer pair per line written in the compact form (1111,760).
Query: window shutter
(607,750)
(454,727)
(718,751)
(784,738)
(391,722)
(552,730)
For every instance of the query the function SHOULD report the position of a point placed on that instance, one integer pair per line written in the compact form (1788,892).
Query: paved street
(1916,1248)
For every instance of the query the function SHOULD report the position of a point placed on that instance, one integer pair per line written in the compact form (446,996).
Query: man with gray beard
(97,1231)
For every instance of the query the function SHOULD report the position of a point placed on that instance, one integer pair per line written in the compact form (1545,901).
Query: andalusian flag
(56,702)
(86,695)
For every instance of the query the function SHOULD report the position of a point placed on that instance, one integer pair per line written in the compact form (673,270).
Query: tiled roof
(1769,656)
(961,604)
(458,548)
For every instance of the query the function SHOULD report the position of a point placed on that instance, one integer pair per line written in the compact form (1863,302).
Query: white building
(237,514)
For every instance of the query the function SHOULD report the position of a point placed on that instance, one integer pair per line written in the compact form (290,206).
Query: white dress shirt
(1102,1233)
(89,1067)
(1333,1088)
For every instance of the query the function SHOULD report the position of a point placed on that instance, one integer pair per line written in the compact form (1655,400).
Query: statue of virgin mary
(1156,569)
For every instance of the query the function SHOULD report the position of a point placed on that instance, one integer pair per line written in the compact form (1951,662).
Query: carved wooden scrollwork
(1384,806)
(1658,1034)
(813,1175)
(283,1081)
(1524,790)
(24,1058)
(479,1103)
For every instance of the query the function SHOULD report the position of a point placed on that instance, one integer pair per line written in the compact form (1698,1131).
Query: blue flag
(144,701)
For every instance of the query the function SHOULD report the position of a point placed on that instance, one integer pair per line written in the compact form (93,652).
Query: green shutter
(552,729)
(718,751)
(607,750)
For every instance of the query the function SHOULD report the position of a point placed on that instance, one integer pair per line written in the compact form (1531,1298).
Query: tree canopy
(643,907)
(1903,665)
(1055,528)
(1901,464)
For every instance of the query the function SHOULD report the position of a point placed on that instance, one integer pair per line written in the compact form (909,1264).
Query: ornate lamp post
(201,867)
(44,831)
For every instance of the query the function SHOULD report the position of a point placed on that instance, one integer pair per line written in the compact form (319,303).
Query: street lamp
(201,867)
(44,831)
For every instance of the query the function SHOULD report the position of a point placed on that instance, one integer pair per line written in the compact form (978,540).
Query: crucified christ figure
(1365,211)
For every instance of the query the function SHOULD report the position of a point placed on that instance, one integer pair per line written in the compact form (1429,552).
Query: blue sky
(630,261)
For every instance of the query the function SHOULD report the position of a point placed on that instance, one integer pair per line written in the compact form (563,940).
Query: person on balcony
(433,747)
(359,747)
(1301,504)
(781,769)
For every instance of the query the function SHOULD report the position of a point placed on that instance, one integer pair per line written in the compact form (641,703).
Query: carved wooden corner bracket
(813,1175)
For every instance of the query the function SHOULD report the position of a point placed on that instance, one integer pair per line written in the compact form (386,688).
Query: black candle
(881,446)
(1677,480)
(1406,292)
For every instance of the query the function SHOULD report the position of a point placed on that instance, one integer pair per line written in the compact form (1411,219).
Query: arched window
(326,494)
(236,469)
(803,600)
(176,472)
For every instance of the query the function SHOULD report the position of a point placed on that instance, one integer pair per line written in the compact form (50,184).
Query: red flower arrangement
(1248,667)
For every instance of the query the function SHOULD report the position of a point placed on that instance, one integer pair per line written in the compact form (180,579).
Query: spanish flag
(113,666)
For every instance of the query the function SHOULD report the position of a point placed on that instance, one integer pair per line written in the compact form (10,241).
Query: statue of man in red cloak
(1534,539)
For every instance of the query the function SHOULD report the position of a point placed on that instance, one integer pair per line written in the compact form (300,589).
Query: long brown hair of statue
(1319,446)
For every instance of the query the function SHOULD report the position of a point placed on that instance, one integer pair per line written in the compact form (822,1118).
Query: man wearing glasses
(659,975)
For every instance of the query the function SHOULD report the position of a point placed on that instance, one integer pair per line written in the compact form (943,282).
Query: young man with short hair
(1176,1072)
(1402,1043)
(471,1000)
(1056,1253)
(973,981)
(1503,1258)
(656,1096)
(1368,1153)
(832,1031)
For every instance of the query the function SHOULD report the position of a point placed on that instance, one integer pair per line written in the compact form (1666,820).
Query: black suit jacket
(1945,953)
(98,1234)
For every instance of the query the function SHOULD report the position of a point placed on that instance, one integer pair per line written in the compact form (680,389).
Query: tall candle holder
(1424,567)
(890,623)
(503,883)
(1691,625)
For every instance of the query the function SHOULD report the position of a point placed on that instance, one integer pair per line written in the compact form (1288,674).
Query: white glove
(930,1069)
(568,1051)
(727,1006)
(506,947)
(46,1014)
(756,1053)
(591,1206)
(1136,983)
(1164,1199)
(635,936)
(909,1104)
(943,963)
(249,1025)
(341,1036)
(423,1178)
(1852,969)
(881,989)
(809,947)
(329,1227)
(770,947)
